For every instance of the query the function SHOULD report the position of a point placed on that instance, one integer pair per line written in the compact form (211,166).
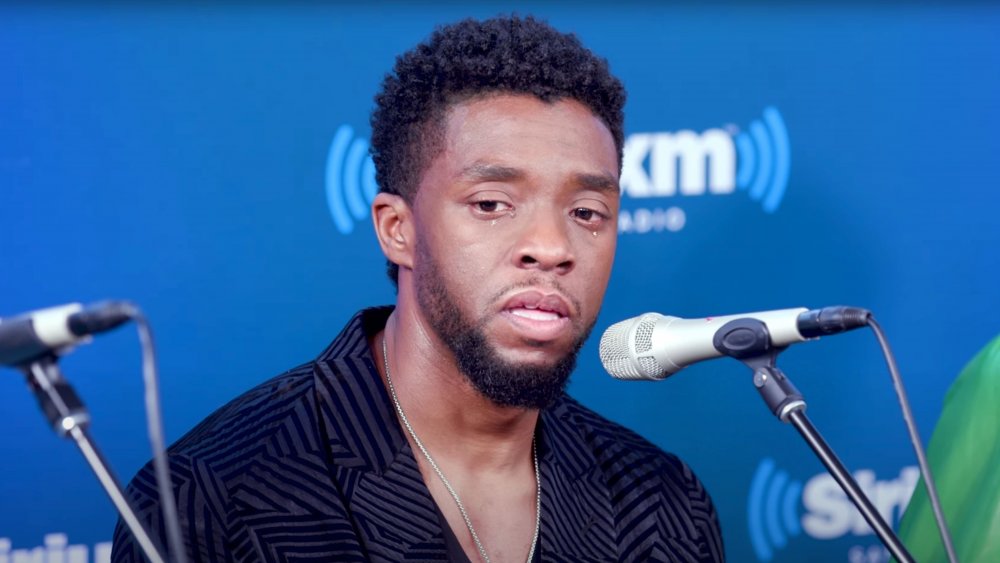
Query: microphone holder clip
(749,341)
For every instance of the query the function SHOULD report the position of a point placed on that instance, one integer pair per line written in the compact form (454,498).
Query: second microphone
(654,346)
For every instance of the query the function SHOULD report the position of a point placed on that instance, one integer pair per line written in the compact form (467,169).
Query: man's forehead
(482,122)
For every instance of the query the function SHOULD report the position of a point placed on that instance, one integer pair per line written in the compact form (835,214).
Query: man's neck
(458,425)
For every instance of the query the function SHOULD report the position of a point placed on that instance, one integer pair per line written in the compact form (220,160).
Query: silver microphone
(653,346)
(29,336)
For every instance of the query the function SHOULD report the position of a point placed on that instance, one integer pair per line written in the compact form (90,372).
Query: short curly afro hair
(473,58)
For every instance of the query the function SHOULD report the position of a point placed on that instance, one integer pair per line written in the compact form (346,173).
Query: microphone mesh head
(644,335)
(621,359)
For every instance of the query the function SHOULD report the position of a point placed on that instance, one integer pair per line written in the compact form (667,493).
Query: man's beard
(506,384)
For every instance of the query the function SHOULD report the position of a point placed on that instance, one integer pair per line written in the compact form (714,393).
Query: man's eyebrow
(483,172)
(598,182)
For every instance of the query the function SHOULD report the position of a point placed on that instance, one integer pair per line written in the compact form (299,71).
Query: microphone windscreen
(626,349)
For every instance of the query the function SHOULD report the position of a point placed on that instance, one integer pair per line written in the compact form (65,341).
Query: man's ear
(393,220)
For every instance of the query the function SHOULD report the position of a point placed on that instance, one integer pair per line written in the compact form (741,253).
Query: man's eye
(491,206)
(587,215)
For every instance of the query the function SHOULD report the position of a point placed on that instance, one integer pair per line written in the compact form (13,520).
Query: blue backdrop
(184,157)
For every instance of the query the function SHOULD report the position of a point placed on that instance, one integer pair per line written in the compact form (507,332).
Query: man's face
(516,225)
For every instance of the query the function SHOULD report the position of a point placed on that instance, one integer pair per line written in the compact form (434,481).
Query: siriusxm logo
(715,162)
(350,179)
(774,514)
(655,165)
(56,549)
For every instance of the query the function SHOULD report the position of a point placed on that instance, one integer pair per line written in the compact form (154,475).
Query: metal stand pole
(839,472)
(68,416)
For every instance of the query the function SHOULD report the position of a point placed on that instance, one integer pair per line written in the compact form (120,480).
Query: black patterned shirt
(314,466)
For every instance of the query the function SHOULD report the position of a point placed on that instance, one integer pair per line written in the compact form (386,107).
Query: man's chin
(523,388)
(521,377)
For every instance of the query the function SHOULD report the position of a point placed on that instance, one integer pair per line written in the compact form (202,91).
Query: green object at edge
(964,455)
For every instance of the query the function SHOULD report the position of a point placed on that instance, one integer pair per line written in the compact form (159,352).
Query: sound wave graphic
(772,509)
(764,160)
(350,179)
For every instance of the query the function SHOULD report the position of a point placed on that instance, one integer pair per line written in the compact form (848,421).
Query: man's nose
(545,245)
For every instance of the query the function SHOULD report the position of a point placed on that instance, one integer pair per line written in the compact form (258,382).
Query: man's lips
(538,315)
(534,314)
(535,304)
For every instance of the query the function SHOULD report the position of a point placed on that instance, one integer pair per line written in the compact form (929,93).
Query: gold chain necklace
(447,485)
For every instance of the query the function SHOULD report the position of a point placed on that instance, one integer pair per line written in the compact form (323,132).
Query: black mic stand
(68,416)
(749,341)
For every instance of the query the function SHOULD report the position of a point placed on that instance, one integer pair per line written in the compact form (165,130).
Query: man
(440,430)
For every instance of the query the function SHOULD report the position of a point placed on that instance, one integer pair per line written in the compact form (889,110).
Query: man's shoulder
(250,418)
(253,455)
(283,407)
